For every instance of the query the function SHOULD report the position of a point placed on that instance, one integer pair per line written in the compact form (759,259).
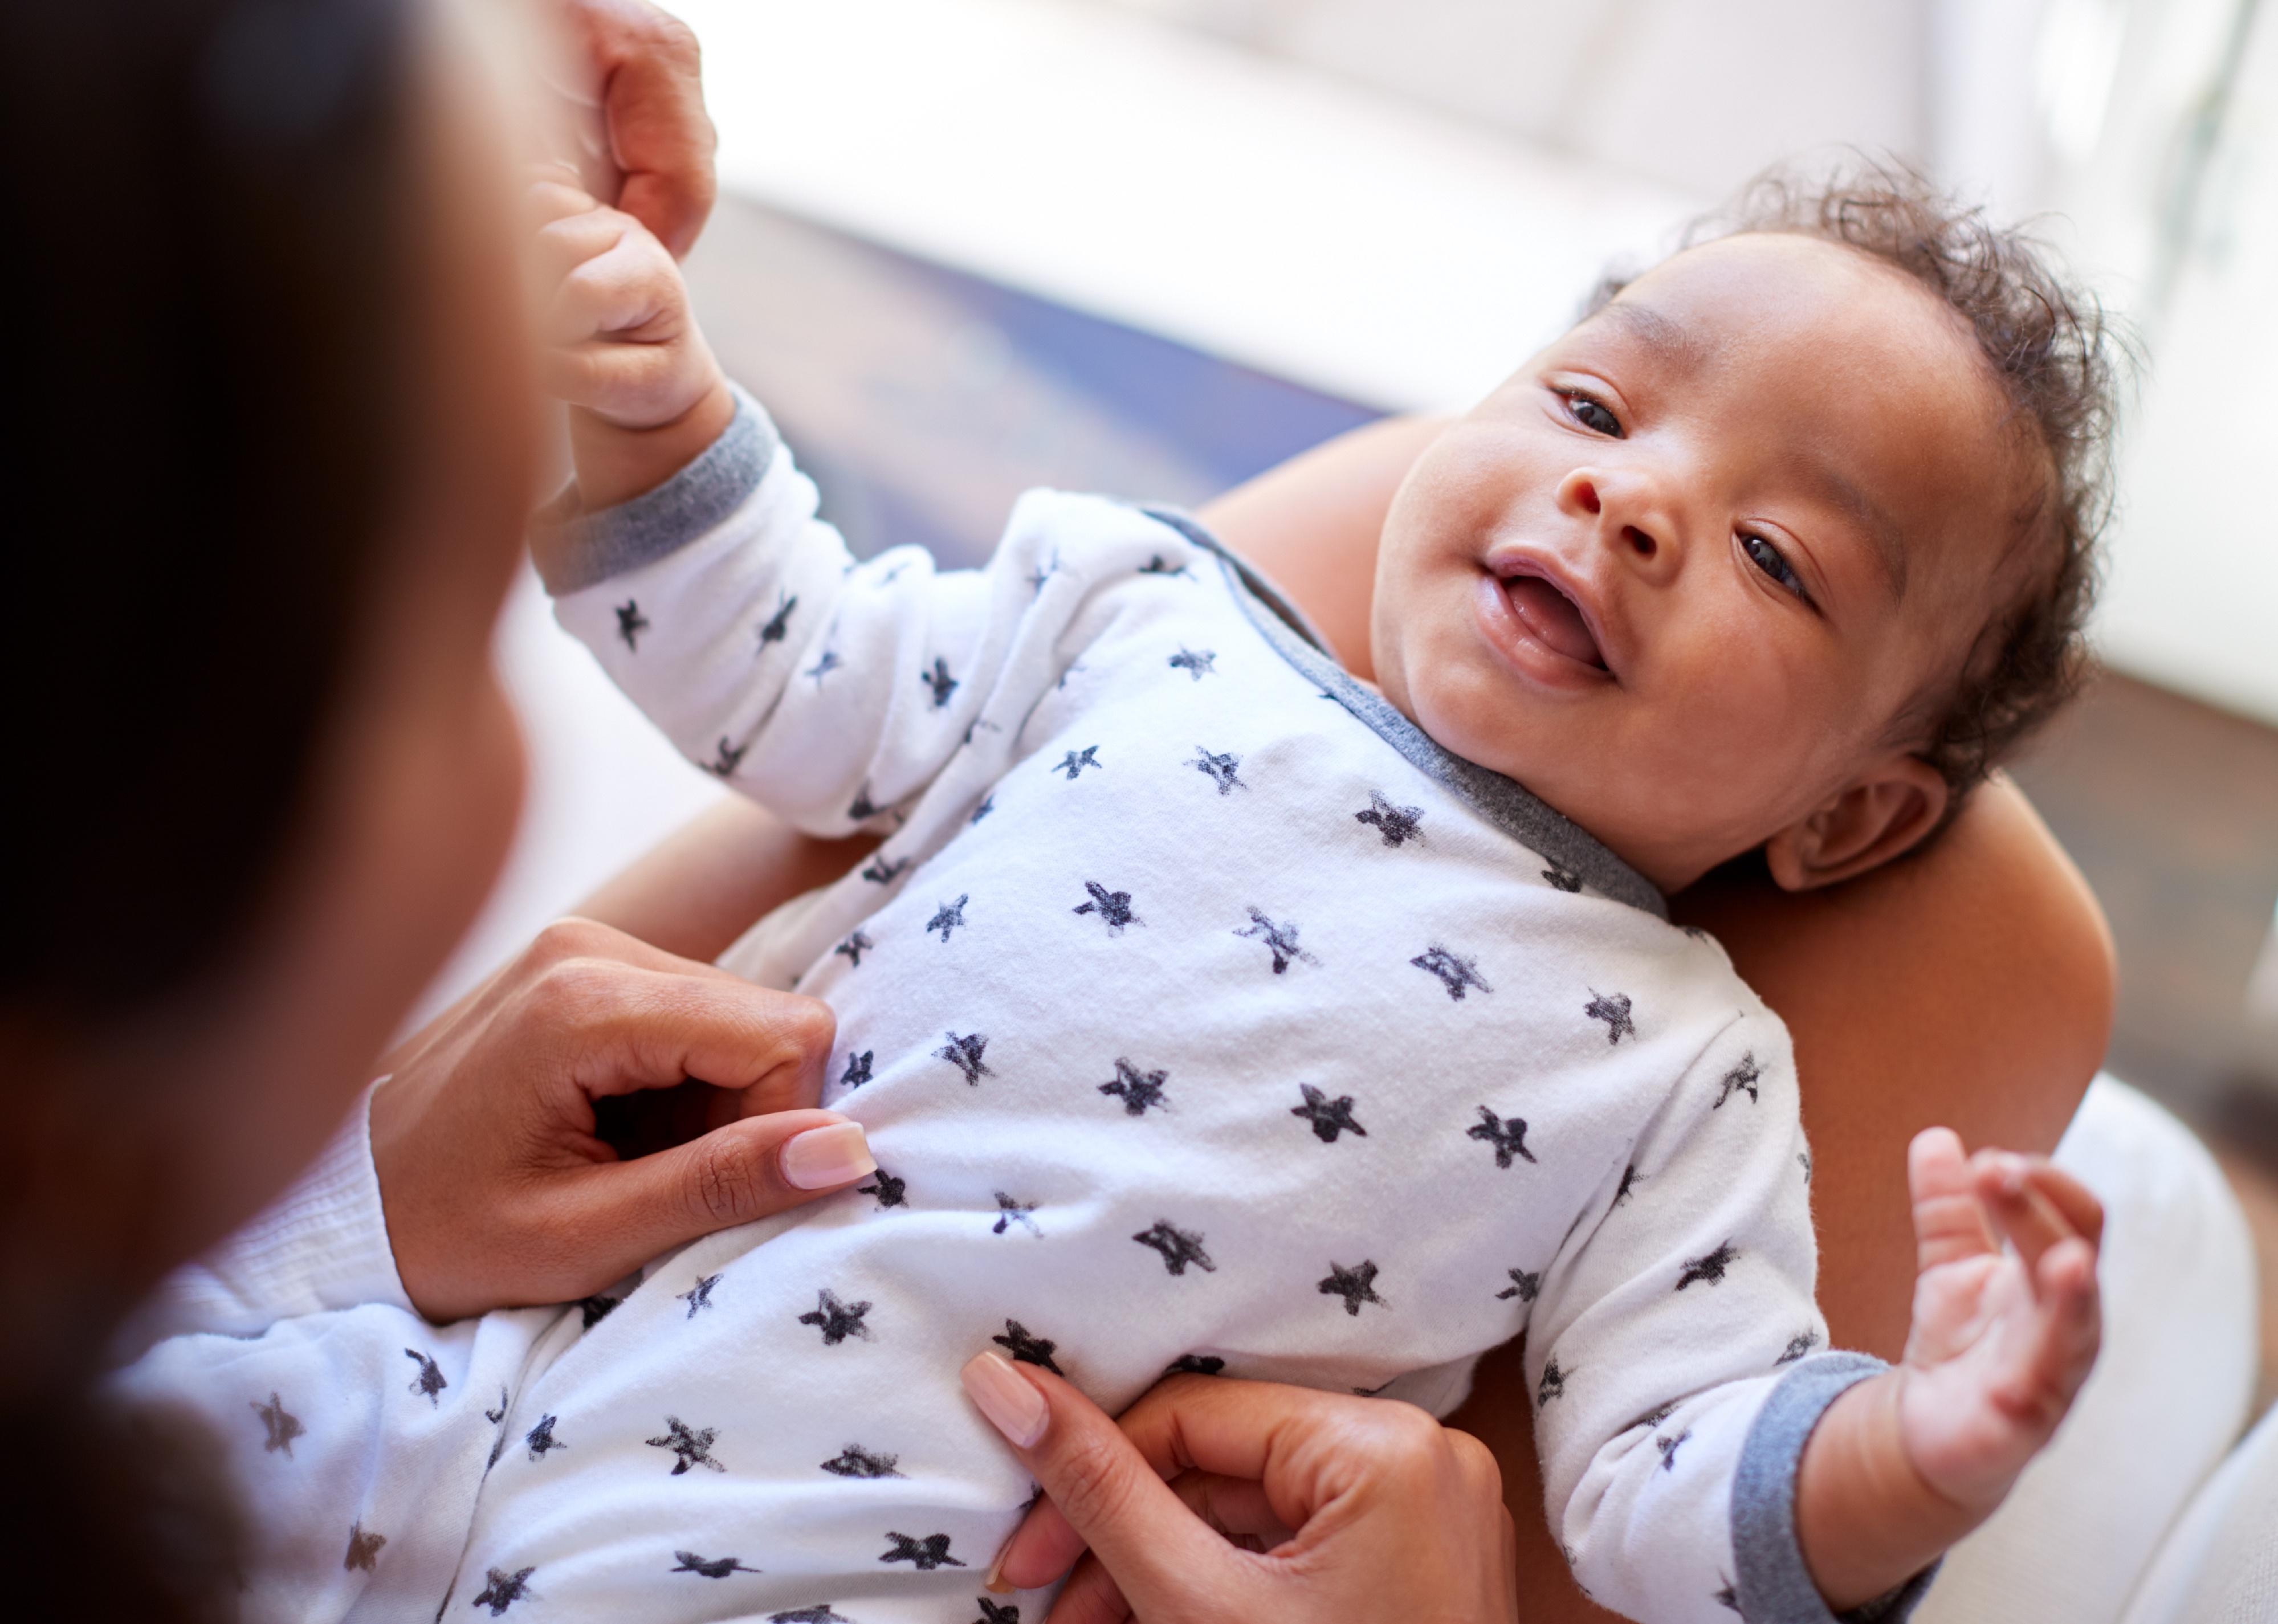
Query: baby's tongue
(1551,615)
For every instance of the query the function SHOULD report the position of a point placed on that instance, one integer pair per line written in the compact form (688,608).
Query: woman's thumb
(748,1170)
(1158,1551)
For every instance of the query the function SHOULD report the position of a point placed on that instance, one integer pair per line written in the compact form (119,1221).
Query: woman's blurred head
(266,480)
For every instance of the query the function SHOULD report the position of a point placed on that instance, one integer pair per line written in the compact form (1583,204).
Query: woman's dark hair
(2057,355)
(207,307)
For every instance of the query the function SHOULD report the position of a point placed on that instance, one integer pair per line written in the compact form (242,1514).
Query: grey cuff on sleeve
(585,549)
(1773,1586)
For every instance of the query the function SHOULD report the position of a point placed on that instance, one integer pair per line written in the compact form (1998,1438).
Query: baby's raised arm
(1908,1462)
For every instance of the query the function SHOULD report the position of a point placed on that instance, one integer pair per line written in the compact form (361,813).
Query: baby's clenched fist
(622,347)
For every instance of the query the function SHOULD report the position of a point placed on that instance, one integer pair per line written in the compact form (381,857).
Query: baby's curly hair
(2060,357)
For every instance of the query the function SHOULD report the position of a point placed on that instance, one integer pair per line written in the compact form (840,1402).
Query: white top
(1201,1013)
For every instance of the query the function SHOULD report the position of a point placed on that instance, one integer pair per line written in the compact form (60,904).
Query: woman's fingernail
(1014,1406)
(820,1157)
(994,1582)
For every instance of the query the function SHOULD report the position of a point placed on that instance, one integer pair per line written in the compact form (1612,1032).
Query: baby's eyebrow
(1882,531)
(1658,333)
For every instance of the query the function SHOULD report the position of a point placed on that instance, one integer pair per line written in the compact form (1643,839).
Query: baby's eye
(1594,416)
(1773,563)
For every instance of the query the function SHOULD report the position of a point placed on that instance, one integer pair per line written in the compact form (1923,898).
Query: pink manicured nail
(820,1157)
(1012,1405)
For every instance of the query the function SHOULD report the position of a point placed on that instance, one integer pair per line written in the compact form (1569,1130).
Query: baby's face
(1684,572)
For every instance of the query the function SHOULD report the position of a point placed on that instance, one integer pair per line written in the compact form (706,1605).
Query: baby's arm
(735,618)
(1905,1463)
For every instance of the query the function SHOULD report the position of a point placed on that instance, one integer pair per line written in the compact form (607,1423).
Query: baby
(1210,1010)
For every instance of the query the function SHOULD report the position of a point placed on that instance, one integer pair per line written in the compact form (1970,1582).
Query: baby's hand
(2001,1340)
(622,347)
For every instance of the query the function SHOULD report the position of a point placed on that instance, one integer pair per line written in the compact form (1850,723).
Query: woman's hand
(651,95)
(1347,1511)
(498,1136)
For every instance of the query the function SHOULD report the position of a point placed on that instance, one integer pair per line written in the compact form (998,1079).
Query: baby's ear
(1883,812)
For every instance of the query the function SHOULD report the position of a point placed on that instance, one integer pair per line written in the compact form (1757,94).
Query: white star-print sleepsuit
(1201,1011)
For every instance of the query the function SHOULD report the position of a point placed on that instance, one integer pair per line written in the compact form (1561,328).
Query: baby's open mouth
(1551,616)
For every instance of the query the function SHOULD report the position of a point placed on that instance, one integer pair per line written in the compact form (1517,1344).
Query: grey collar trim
(1505,802)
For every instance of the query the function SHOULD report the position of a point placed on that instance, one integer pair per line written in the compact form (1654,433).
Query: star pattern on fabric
(880,870)
(993,1613)
(504,1588)
(836,1320)
(364,1550)
(940,682)
(1562,879)
(824,664)
(1010,1212)
(1280,940)
(924,1554)
(889,1190)
(1804,1160)
(631,623)
(595,1309)
(1397,824)
(1044,571)
(1456,972)
(858,1069)
(1075,761)
(1137,1089)
(1329,1118)
(1742,1079)
(861,809)
(1668,1447)
(710,1567)
(779,623)
(809,1615)
(698,1296)
(1552,1384)
(1524,1286)
(1727,1596)
(1507,1134)
(853,947)
(988,805)
(1179,1247)
(1160,566)
(1710,1268)
(540,1440)
(429,1383)
(690,1445)
(964,1052)
(282,1428)
(1614,1009)
(1194,1364)
(1797,1346)
(1112,907)
(856,1461)
(1628,1184)
(948,917)
(1356,1286)
(1220,769)
(498,1414)
(1196,663)
(729,758)
(1028,1349)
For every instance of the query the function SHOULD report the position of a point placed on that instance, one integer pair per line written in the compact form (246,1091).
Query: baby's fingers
(2067,1331)
(625,290)
(1949,1217)
(2034,1205)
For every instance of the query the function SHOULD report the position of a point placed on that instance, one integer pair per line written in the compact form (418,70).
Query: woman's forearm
(712,879)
